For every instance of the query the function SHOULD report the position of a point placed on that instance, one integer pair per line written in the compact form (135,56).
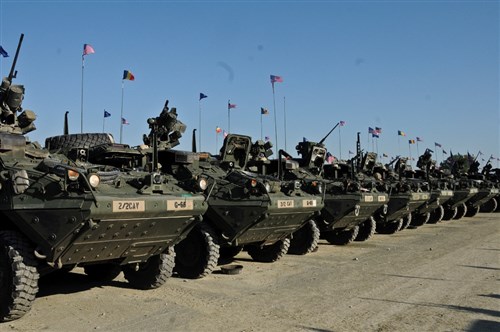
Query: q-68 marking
(129,206)
(180,205)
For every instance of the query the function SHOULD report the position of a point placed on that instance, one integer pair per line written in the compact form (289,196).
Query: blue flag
(4,52)
(106,114)
(202,96)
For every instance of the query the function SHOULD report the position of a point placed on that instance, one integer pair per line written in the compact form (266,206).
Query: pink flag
(88,49)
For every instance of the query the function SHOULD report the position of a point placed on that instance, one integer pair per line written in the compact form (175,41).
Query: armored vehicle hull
(455,207)
(345,216)
(400,205)
(481,197)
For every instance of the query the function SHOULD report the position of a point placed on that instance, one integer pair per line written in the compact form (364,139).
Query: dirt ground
(443,277)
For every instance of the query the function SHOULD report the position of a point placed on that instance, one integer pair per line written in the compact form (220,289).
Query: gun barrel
(324,138)
(11,74)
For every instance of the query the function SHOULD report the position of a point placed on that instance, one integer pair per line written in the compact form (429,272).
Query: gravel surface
(443,277)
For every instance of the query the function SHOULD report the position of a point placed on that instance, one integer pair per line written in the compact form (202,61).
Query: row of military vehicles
(152,211)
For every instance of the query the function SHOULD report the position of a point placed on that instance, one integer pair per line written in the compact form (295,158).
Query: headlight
(268,187)
(94,180)
(73,175)
(202,183)
(253,183)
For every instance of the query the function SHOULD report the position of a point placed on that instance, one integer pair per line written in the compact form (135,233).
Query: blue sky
(430,69)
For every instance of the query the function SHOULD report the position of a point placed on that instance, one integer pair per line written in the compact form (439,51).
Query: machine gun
(11,98)
(166,129)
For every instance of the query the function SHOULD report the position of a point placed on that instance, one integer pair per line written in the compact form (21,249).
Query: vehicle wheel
(366,229)
(498,206)
(420,219)
(305,239)
(461,211)
(341,237)
(102,272)
(436,215)
(18,275)
(227,254)
(390,227)
(197,255)
(270,253)
(407,220)
(472,211)
(489,206)
(153,273)
(449,213)
(64,143)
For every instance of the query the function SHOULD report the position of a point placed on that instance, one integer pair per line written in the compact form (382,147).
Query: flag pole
(340,144)
(418,153)
(81,101)
(275,122)
(121,114)
(284,116)
(228,116)
(216,140)
(376,144)
(103,119)
(261,124)
(399,145)
(409,149)
(199,124)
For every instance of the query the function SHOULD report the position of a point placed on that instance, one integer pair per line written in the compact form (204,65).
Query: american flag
(275,78)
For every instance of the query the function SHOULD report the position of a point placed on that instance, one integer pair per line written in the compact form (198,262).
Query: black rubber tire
(269,253)
(305,239)
(420,219)
(472,211)
(449,214)
(390,227)
(407,220)
(64,143)
(498,206)
(18,275)
(436,215)
(461,211)
(490,206)
(341,237)
(366,229)
(227,254)
(102,272)
(197,255)
(153,273)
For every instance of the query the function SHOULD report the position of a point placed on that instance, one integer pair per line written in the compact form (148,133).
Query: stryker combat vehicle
(58,213)
(346,215)
(487,191)
(403,198)
(464,190)
(493,175)
(432,211)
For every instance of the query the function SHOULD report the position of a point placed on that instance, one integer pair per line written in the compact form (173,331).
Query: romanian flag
(264,110)
(127,75)
(411,141)
(275,78)
(401,133)
(218,130)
